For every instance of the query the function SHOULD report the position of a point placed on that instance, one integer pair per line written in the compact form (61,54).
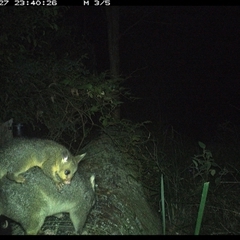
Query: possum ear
(80,157)
(64,157)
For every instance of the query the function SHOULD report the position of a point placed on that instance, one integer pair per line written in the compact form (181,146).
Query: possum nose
(68,181)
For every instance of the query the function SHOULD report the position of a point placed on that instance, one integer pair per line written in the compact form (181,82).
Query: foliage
(204,164)
(62,95)
(27,30)
(42,86)
(128,136)
(200,212)
(183,179)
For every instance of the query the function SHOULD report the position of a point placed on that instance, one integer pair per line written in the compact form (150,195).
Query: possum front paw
(16,178)
(60,185)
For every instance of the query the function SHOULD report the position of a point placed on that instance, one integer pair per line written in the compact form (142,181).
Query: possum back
(30,203)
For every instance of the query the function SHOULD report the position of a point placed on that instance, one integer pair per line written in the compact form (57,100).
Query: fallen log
(121,206)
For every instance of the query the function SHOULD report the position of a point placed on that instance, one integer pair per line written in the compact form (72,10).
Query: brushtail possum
(30,203)
(19,155)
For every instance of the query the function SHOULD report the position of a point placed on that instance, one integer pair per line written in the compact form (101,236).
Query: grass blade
(201,208)
(163,206)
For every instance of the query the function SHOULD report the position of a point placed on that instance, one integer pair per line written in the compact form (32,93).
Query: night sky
(183,62)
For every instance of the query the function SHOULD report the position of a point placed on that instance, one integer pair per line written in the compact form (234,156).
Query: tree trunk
(113,45)
(113,39)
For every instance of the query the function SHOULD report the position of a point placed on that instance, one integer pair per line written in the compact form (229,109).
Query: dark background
(183,62)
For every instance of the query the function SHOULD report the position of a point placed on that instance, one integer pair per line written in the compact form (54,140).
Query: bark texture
(121,206)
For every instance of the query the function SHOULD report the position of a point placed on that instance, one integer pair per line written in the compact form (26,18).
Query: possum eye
(67,172)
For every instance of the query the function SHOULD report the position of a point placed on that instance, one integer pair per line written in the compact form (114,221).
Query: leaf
(201,145)
(208,154)
(105,122)
(55,26)
(212,172)
(94,109)
(208,165)
(135,138)
(196,164)
(88,86)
